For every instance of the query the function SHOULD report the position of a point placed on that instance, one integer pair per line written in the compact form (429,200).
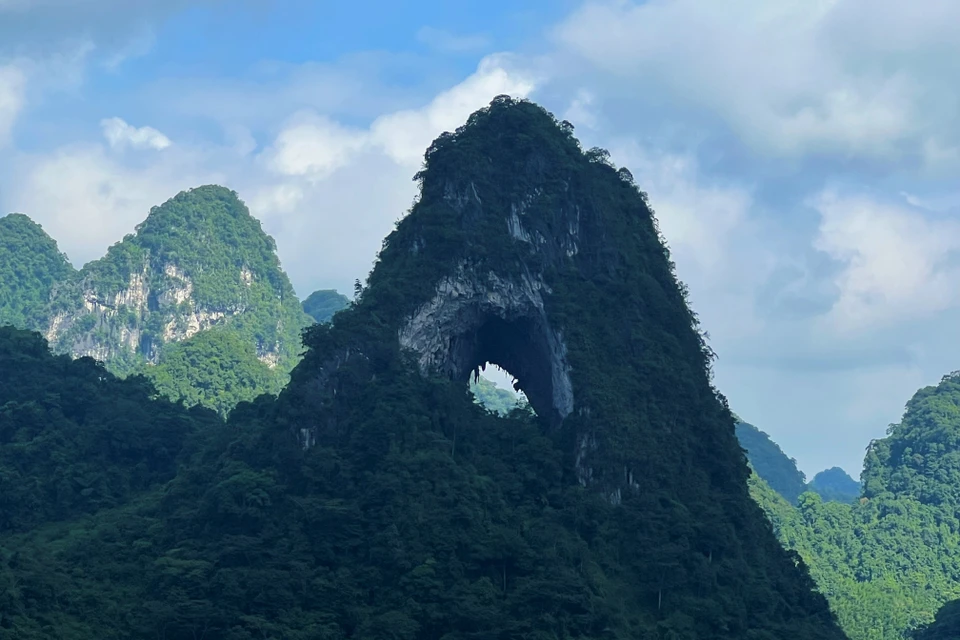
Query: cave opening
(513,354)
(497,390)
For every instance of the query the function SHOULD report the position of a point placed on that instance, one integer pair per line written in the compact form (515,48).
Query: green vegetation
(369,501)
(74,439)
(835,485)
(199,261)
(890,560)
(771,463)
(30,265)
(215,369)
(321,305)
(493,398)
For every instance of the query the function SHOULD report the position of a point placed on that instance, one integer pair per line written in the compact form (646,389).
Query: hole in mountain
(520,355)
(496,389)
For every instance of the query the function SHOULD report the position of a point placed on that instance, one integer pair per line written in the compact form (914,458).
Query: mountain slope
(771,463)
(76,440)
(199,261)
(888,561)
(30,265)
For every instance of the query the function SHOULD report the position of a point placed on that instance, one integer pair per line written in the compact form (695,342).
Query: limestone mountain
(887,561)
(526,251)
(30,265)
(199,261)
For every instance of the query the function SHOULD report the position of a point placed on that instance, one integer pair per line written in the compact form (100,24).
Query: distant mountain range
(782,474)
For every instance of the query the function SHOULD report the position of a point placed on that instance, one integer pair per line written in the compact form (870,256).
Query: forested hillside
(771,463)
(30,265)
(199,263)
(835,484)
(888,561)
(321,305)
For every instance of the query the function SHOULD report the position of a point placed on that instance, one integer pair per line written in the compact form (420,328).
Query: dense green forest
(374,498)
(215,368)
(30,265)
(888,561)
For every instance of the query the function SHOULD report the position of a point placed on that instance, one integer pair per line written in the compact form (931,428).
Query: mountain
(321,305)
(198,261)
(771,463)
(30,265)
(216,369)
(525,251)
(373,498)
(888,561)
(835,484)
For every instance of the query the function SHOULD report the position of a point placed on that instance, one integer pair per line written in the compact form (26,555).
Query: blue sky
(801,155)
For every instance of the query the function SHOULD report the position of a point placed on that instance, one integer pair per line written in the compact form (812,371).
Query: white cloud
(314,145)
(582,110)
(897,263)
(120,134)
(12,85)
(87,199)
(790,77)
(405,135)
(117,28)
(329,195)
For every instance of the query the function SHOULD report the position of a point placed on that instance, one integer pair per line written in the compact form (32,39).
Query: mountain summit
(198,261)
(528,252)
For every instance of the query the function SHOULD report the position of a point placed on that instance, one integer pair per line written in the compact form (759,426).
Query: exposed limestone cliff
(476,317)
(528,252)
(198,262)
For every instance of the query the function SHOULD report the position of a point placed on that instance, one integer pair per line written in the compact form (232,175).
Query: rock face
(526,251)
(198,262)
(477,317)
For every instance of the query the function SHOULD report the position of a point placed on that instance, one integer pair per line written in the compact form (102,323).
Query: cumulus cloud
(791,77)
(405,135)
(87,198)
(12,82)
(897,263)
(120,134)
